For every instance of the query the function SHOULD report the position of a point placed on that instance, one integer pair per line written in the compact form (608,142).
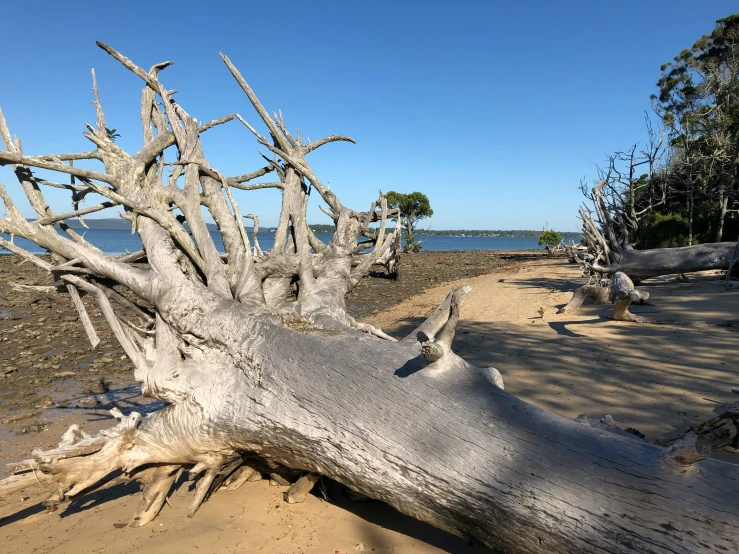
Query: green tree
(699,102)
(550,238)
(413,207)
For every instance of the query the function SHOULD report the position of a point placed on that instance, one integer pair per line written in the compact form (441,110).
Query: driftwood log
(260,366)
(598,293)
(620,291)
(642,264)
(609,250)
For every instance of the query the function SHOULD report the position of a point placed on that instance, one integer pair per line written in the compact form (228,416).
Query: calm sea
(119,241)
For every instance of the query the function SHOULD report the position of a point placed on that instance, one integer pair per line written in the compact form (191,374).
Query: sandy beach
(656,378)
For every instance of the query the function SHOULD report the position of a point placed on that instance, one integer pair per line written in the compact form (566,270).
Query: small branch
(46,289)
(72,157)
(98,108)
(250,176)
(35,260)
(166,139)
(311,146)
(271,125)
(256,186)
(41,163)
(77,213)
(254,232)
(130,346)
(84,317)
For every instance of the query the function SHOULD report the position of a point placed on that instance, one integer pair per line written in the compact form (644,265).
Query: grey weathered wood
(624,294)
(642,264)
(597,293)
(84,317)
(250,367)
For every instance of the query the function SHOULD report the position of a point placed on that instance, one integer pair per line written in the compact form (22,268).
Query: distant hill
(118,223)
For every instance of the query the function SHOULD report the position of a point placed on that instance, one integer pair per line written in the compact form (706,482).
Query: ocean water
(120,241)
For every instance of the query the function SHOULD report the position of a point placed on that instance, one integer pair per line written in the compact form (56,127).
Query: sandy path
(657,378)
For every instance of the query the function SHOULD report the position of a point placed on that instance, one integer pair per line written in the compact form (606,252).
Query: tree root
(156,482)
(82,463)
(240,476)
(598,294)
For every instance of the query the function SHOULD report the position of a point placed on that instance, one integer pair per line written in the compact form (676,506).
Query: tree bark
(642,264)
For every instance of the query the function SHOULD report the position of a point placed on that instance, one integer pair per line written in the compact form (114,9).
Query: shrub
(550,238)
(664,231)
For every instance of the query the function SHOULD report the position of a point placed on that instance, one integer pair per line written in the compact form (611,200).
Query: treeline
(681,186)
(575,235)
(111,223)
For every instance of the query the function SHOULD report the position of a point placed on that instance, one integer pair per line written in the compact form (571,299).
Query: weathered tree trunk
(257,374)
(723,204)
(620,291)
(624,294)
(440,443)
(642,264)
(610,253)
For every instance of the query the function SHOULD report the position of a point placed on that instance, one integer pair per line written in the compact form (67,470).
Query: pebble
(64,374)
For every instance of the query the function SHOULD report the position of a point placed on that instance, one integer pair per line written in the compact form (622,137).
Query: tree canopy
(550,238)
(413,207)
(681,186)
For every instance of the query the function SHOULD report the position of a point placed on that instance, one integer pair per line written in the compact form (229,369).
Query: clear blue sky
(494,109)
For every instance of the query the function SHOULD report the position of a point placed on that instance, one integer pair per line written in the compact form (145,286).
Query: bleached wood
(258,360)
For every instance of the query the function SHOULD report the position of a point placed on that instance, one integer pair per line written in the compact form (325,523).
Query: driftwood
(598,293)
(620,291)
(624,294)
(259,365)
(642,264)
(574,252)
(700,440)
(693,445)
(609,251)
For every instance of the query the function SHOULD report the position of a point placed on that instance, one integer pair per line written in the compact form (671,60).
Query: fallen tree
(605,231)
(262,369)
(642,264)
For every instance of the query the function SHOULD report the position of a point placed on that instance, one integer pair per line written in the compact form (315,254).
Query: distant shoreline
(113,223)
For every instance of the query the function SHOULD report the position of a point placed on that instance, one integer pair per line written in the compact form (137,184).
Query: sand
(656,378)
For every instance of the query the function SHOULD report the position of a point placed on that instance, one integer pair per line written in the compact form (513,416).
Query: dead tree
(258,363)
(606,235)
